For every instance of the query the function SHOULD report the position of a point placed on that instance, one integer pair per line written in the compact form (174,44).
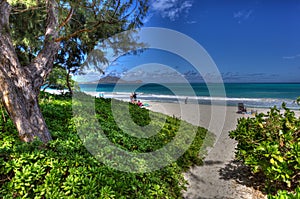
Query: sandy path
(208,181)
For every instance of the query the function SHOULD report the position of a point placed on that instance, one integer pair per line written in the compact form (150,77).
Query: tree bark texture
(68,82)
(20,85)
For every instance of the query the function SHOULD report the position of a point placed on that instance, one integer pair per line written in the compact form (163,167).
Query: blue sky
(250,41)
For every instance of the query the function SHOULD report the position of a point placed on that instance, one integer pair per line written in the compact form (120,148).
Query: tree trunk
(23,108)
(68,82)
(20,85)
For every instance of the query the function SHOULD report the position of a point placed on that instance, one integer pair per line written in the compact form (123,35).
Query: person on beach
(139,103)
(131,98)
(134,96)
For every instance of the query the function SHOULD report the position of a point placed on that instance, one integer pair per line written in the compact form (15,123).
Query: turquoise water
(252,94)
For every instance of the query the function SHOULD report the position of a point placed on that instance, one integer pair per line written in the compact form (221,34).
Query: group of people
(133,99)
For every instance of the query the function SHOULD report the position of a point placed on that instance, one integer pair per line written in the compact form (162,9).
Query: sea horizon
(260,95)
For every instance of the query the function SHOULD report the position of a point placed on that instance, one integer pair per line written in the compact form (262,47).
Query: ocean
(262,95)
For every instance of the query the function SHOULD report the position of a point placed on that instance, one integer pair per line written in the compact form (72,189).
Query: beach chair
(241,108)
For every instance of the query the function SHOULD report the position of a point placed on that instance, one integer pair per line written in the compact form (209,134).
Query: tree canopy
(34,32)
(82,25)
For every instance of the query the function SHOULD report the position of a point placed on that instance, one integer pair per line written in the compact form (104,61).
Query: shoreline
(250,103)
(157,101)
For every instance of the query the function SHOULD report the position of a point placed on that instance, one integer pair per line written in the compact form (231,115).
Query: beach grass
(64,168)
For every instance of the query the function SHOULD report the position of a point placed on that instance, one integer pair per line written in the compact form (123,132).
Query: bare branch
(132,11)
(110,20)
(84,30)
(42,64)
(119,3)
(19,11)
(73,34)
(68,18)
(8,57)
(5,10)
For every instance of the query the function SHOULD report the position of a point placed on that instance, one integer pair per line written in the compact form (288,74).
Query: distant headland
(112,80)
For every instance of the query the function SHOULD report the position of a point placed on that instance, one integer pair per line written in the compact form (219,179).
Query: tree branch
(19,11)
(8,58)
(74,34)
(68,18)
(118,5)
(132,11)
(5,10)
(84,30)
(42,64)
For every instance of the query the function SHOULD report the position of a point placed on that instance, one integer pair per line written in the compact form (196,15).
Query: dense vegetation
(270,145)
(63,168)
(36,34)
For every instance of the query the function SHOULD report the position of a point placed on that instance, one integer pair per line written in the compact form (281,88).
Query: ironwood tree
(34,32)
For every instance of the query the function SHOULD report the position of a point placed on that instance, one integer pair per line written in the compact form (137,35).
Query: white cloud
(291,57)
(191,22)
(162,5)
(248,14)
(148,18)
(153,73)
(242,15)
(87,77)
(237,14)
(171,9)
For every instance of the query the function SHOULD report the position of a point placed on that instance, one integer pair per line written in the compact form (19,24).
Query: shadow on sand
(242,174)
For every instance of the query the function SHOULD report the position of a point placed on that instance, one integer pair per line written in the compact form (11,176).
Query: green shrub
(270,143)
(286,195)
(65,169)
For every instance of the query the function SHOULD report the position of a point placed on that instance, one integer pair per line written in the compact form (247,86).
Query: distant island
(112,80)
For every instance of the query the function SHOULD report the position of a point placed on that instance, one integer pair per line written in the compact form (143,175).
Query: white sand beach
(210,180)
